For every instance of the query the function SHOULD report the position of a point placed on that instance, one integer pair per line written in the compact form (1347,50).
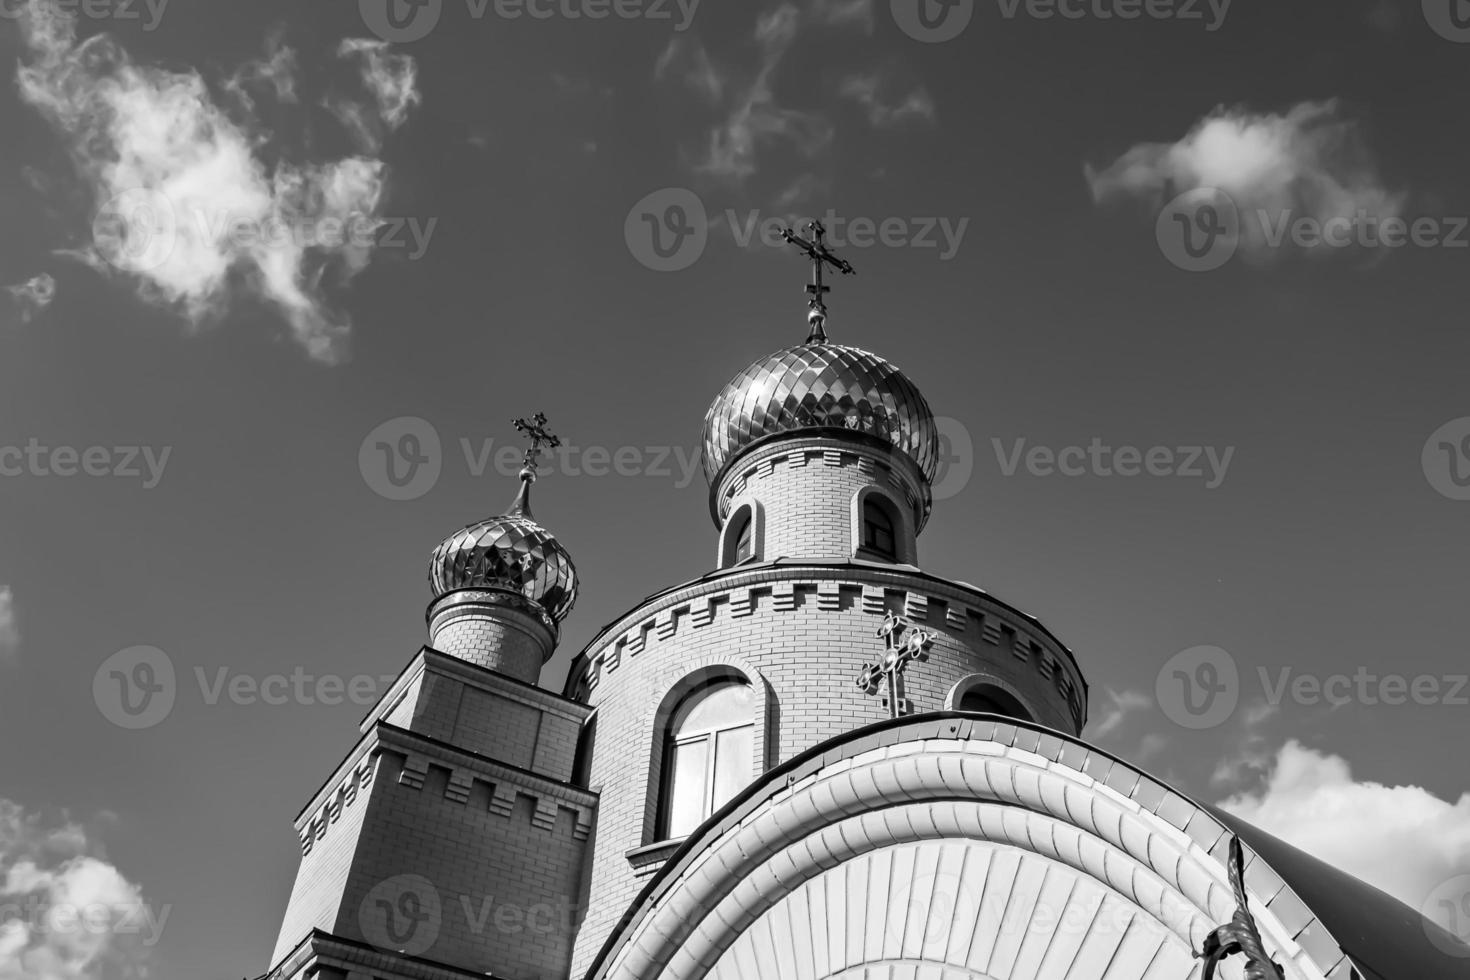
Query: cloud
(801,191)
(689,61)
(1311,800)
(753,120)
(1309,162)
(70,914)
(33,296)
(1250,755)
(9,628)
(874,93)
(1120,705)
(276,71)
(756,118)
(392,81)
(187,209)
(839,13)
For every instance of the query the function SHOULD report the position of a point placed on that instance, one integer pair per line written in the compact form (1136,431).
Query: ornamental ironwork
(903,644)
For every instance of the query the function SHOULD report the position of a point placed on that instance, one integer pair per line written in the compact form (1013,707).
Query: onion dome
(820,385)
(509,553)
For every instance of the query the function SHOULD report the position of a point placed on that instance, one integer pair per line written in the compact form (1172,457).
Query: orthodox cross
(904,643)
(1240,934)
(536,431)
(821,257)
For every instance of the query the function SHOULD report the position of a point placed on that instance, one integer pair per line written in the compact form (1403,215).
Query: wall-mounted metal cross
(904,643)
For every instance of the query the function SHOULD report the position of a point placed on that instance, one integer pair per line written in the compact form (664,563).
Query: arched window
(707,754)
(878,529)
(744,539)
(993,700)
(740,540)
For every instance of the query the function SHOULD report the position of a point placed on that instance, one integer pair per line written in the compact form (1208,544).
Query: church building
(811,761)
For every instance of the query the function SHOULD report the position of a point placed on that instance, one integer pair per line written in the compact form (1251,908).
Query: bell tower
(451,841)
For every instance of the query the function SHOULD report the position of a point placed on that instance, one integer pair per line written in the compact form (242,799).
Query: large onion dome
(820,385)
(510,553)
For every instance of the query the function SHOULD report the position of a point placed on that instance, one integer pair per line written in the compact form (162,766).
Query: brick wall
(806,633)
(805,489)
(497,637)
(464,806)
(498,868)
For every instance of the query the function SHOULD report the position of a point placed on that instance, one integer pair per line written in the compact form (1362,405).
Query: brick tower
(451,840)
(820,459)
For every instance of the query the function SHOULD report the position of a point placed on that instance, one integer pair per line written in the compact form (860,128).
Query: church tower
(817,619)
(454,833)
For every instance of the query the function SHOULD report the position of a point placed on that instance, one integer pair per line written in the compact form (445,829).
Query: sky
(1183,282)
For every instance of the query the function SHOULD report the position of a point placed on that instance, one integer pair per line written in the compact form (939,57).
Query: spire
(536,431)
(821,257)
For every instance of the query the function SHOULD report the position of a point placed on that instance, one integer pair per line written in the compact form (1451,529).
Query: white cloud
(753,120)
(885,110)
(391,79)
(9,628)
(1120,705)
(1418,841)
(756,119)
(188,210)
(277,71)
(801,191)
(844,12)
(32,297)
(1309,162)
(1250,754)
(689,61)
(70,914)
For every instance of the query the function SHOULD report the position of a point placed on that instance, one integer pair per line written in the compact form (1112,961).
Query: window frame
(877,522)
(709,734)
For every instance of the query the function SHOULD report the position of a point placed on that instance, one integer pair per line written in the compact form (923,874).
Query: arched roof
(958,779)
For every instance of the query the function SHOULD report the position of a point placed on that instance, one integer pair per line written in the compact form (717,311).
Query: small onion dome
(819,385)
(511,553)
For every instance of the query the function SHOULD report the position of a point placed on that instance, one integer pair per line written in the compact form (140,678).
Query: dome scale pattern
(513,553)
(820,385)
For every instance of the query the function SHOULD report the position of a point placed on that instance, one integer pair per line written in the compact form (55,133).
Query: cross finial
(816,250)
(536,431)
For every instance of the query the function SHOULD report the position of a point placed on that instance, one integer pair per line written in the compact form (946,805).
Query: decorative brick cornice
(509,782)
(359,777)
(876,460)
(321,949)
(476,676)
(967,614)
(419,752)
